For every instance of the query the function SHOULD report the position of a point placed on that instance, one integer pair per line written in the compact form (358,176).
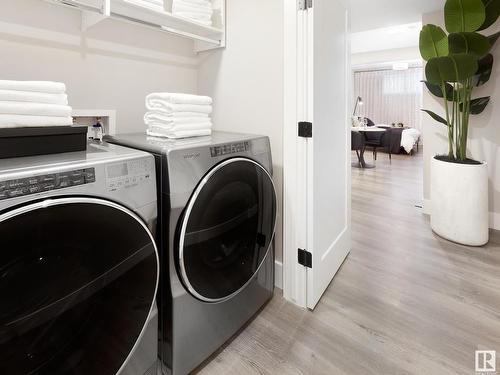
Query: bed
(401,139)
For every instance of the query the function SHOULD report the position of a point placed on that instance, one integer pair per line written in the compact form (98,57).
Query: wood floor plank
(404,302)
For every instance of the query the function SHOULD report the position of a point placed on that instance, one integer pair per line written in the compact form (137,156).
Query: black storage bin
(17,142)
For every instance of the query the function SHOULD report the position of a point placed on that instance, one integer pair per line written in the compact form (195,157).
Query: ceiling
(386,38)
(375,14)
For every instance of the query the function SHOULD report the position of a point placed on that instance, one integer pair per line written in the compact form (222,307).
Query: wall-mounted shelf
(135,11)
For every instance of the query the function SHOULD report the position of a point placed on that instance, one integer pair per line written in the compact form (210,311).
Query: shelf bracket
(90,18)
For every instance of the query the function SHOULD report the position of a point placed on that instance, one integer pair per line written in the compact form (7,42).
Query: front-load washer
(78,263)
(218,215)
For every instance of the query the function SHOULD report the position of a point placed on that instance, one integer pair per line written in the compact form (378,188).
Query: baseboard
(494,216)
(278,274)
(495,220)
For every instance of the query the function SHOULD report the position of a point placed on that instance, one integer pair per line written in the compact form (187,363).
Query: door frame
(295,198)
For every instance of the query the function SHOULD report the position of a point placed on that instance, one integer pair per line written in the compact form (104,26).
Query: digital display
(117,170)
(232,148)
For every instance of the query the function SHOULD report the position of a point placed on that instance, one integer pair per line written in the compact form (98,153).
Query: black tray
(17,142)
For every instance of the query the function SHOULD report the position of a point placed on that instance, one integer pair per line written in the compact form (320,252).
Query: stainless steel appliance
(218,215)
(78,263)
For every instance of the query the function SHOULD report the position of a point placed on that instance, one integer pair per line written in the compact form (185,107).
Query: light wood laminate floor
(404,302)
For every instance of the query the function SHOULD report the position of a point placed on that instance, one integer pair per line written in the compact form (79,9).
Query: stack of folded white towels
(178,115)
(200,11)
(33,103)
(153,4)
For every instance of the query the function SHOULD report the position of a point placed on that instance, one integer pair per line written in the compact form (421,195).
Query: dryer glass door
(227,229)
(78,278)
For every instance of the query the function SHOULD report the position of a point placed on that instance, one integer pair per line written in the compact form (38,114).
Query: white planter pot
(459,197)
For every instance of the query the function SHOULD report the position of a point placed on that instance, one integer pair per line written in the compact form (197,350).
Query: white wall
(112,66)
(115,64)
(484,140)
(246,79)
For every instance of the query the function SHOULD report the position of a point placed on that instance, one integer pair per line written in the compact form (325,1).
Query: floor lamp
(359,101)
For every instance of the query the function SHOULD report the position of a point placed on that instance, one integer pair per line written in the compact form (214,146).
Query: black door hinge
(305,258)
(305,129)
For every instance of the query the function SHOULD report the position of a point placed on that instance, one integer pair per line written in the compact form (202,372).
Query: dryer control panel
(128,174)
(47,182)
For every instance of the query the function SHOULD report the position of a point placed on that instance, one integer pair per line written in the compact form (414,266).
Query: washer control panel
(47,182)
(228,149)
(128,174)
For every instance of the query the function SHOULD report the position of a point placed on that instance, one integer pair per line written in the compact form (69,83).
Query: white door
(322,173)
(329,237)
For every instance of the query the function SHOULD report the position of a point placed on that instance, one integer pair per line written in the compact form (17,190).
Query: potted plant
(457,63)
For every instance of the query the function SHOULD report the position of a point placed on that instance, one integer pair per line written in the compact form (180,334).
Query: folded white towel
(190,8)
(34,109)
(203,3)
(38,86)
(173,98)
(207,18)
(155,118)
(18,121)
(153,4)
(177,108)
(181,134)
(33,97)
(168,115)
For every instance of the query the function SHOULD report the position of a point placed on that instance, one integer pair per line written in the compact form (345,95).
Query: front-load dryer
(78,263)
(218,215)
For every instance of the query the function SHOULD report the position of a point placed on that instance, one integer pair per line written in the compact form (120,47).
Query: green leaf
(484,70)
(453,68)
(436,117)
(464,15)
(492,13)
(474,43)
(477,106)
(438,92)
(493,38)
(433,42)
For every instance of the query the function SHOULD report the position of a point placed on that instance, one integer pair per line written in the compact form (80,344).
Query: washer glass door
(227,229)
(78,278)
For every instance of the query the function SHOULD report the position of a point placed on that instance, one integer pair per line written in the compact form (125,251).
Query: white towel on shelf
(181,133)
(155,118)
(34,109)
(207,18)
(173,98)
(168,115)
(18,121)
(153,4)
(190,8)
(176,108)
(203,3)
(37,86)
(33,97)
